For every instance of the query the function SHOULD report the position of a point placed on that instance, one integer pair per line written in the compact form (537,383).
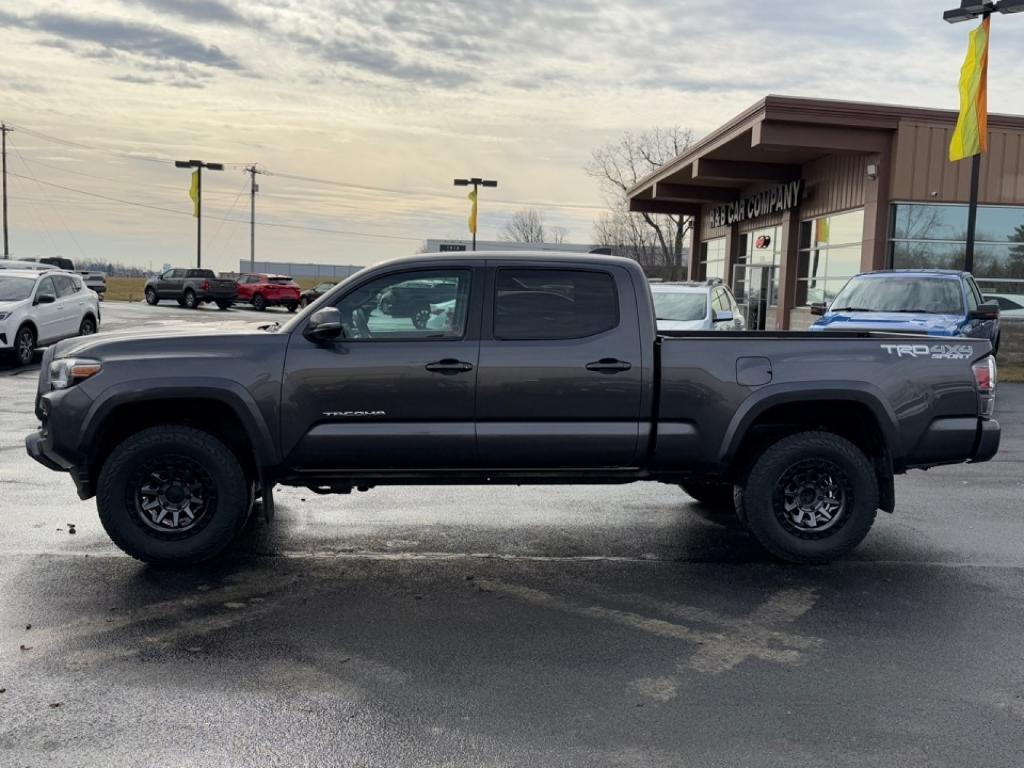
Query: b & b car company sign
(772,200)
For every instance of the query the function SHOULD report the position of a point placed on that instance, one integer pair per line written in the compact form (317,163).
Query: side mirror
(324,325)
(818,308)
(45,298)
(723,316)
(987,311)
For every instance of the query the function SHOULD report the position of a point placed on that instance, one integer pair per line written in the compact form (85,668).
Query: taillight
(206,285)
(985,380)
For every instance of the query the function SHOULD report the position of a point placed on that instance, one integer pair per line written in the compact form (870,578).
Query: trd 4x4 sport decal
(934,351)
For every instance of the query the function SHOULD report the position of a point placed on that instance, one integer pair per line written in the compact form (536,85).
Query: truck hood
(173,338)
(933,325)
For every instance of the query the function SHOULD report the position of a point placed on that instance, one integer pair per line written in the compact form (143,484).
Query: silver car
(704,306)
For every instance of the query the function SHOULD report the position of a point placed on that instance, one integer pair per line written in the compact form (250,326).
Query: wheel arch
(224,409)
(858,413)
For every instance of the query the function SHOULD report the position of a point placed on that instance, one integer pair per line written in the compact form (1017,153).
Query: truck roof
(921,272)
(524,256)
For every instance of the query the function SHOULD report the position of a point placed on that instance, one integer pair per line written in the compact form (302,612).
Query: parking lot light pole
(970,10)
(476,183)
(199,165)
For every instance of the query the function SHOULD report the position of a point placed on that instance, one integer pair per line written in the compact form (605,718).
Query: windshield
(939,296)
(15,288)
(677,305)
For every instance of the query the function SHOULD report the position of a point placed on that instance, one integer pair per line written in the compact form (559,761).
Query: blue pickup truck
(934,302)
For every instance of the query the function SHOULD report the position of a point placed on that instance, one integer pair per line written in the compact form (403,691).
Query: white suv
(40,308)
(703,306)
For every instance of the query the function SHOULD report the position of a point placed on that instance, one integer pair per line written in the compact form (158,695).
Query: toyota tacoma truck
(536,368)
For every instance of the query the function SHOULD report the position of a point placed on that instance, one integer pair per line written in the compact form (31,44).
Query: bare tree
(558,234)
(654,240)
(525,226)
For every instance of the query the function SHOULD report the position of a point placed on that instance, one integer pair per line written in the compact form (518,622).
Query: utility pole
(252,170)
(475,182)
(199,165)
(4,130)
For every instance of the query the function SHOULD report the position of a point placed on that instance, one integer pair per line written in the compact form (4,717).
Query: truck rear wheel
(810,497)
(173,494)
(714,501)
(190,300)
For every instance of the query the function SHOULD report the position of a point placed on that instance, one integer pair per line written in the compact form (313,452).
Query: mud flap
(886,483)
(267,499)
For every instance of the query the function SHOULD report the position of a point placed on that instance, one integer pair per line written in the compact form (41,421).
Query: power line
(236,221)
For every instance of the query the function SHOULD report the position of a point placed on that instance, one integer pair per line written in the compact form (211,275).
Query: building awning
(768,144)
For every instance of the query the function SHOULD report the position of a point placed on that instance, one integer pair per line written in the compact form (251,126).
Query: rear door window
(539,304)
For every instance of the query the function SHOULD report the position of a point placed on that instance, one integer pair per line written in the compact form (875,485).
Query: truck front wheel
(810,497)
(173,494)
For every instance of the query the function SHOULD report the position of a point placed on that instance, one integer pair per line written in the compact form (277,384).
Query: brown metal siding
(922,170)
(834,183)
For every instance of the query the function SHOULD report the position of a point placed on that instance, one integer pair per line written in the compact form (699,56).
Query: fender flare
(230,393)
(863,393)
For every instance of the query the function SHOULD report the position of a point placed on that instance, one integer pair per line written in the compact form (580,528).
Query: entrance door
(397,390)
(756,280)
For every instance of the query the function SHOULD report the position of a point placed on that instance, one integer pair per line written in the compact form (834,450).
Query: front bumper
(39,446)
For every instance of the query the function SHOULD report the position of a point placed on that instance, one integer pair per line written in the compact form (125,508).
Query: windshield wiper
(851,309)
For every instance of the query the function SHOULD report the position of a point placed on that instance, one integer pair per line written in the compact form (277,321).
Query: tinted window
(972,297)
(901,294)
(177,274)
(207,273)
(65,285)
(408,306)
(553,304)
(46,288)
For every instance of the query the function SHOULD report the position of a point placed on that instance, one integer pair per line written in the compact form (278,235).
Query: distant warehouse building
(296,269)
(794,196)
(436,245)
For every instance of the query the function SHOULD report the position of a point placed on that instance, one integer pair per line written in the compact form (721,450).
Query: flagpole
(972,213)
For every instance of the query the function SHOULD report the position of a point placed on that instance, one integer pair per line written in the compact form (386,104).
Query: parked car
(413,298)
(1010,304)
(935,302)
(39,308)
(696,306)
(525,384)
(94,281)
(264,291)
(191,288)
(314,293)
(19,264)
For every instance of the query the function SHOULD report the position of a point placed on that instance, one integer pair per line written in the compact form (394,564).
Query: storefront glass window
(830,254)
(933,236)
(712,258)
(759,248)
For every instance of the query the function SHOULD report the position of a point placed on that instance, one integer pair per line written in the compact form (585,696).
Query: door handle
(609,365)
(449,366)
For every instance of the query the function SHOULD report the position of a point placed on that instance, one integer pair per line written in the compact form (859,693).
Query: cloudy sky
(391,100)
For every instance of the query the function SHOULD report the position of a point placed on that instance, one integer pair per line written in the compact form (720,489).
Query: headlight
(70,371)
(4,315)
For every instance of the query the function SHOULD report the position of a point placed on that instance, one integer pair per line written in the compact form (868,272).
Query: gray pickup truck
(191,288)
(534,368)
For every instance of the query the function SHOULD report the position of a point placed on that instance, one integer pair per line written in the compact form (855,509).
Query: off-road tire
(118,508)
(151,298)
(762,498)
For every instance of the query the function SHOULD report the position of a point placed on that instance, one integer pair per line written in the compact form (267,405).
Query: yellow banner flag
(193,192)
(971,134)
(472,212)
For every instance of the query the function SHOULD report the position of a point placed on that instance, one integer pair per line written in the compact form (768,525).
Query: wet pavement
(476,626)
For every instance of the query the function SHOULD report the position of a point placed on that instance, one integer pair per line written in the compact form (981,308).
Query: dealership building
(794,196)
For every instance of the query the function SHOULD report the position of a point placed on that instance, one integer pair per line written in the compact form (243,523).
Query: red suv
(264,291)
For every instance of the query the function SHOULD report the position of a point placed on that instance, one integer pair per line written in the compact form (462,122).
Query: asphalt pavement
(511,626)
